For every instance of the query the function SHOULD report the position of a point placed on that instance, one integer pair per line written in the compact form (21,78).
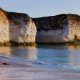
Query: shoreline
(34,73)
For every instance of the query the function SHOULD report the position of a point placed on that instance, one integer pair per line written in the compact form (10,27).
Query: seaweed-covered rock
(16,27)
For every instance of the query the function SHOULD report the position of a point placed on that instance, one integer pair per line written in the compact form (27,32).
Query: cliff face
(4,27)
(74,26)
(16,27)
(21,28)
(58,29)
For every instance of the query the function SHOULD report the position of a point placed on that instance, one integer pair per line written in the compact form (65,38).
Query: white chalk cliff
(21,28)
(58,29)
(16,27)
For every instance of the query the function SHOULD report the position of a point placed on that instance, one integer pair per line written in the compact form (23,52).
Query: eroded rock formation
(16,27)
(58,29)
(21,28)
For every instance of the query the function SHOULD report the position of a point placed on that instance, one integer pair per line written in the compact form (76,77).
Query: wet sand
(16,72)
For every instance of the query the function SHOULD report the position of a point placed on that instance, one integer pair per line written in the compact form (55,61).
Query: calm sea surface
(66,57)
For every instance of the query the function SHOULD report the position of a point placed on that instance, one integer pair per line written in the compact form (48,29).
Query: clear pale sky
(38,8)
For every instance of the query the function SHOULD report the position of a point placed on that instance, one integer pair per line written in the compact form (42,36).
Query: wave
(35,63)
(19,61)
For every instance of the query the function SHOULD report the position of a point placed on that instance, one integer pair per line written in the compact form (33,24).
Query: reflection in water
(5,51)
(68,55)
(53,56)
(74,56)
(29,52)
(63,55)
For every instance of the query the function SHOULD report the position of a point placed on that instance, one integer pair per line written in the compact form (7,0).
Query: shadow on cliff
(59,29)
(51,23)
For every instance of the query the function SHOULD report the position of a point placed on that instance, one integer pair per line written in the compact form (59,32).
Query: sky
(40,8)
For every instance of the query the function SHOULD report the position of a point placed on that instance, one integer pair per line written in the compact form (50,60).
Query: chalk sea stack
(61,28)
(16,27)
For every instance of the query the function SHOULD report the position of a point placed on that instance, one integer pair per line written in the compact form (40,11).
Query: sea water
(49,56)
